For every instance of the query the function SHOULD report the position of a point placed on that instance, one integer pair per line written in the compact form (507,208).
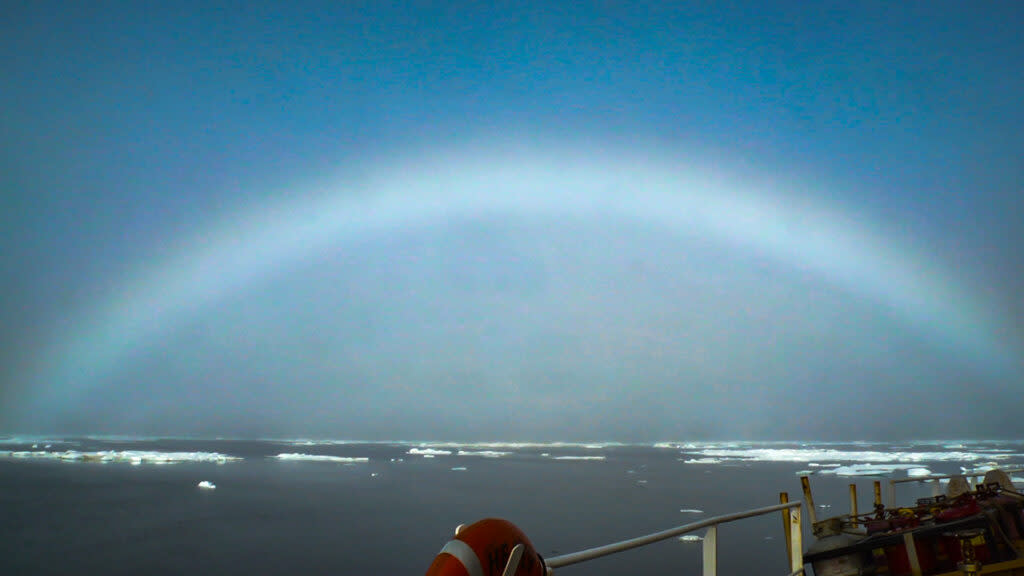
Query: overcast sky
(585,222)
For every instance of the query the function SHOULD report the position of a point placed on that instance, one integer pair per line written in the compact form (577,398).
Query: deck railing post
(853,505)
(796,551)
(784,499)
(711,551)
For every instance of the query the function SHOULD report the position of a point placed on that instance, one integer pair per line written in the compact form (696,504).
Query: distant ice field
(125,505)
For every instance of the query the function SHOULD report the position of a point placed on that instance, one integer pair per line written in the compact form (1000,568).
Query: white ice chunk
(579,457)
(483,453)
(690,538)
(429,452)
(320,458)
(206,485)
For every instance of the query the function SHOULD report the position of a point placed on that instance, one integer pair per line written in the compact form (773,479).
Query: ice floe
(483,453)
(511,446)
(321,458)
(206,485)
(980,468)
(691,538)
(578,458)
(835,455)
(691,511)
(459,469)
(867,469)
(702,461)
(135,457)
(429,452)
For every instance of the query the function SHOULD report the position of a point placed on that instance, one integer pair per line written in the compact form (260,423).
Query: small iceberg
(207,485)
(690,538)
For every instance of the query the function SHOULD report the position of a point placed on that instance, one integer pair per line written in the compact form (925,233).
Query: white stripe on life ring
(463,553)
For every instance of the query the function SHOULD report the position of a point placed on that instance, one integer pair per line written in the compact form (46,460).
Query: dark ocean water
(392,513)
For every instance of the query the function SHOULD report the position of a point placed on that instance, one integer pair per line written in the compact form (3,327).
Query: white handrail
(796,549)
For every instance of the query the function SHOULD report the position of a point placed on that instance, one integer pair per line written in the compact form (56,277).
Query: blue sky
(295,149)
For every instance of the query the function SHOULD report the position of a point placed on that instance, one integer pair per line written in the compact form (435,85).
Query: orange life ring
(484,548)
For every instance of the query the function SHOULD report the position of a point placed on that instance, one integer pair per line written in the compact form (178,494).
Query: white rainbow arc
(254,244)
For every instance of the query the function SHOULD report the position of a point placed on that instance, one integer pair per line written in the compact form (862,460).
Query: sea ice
(483,453)
(206,485)
(320,458)
(818,454)
(867,469)
(134,457)
(429,452)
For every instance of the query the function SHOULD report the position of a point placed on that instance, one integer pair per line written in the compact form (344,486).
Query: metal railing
(791,523)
